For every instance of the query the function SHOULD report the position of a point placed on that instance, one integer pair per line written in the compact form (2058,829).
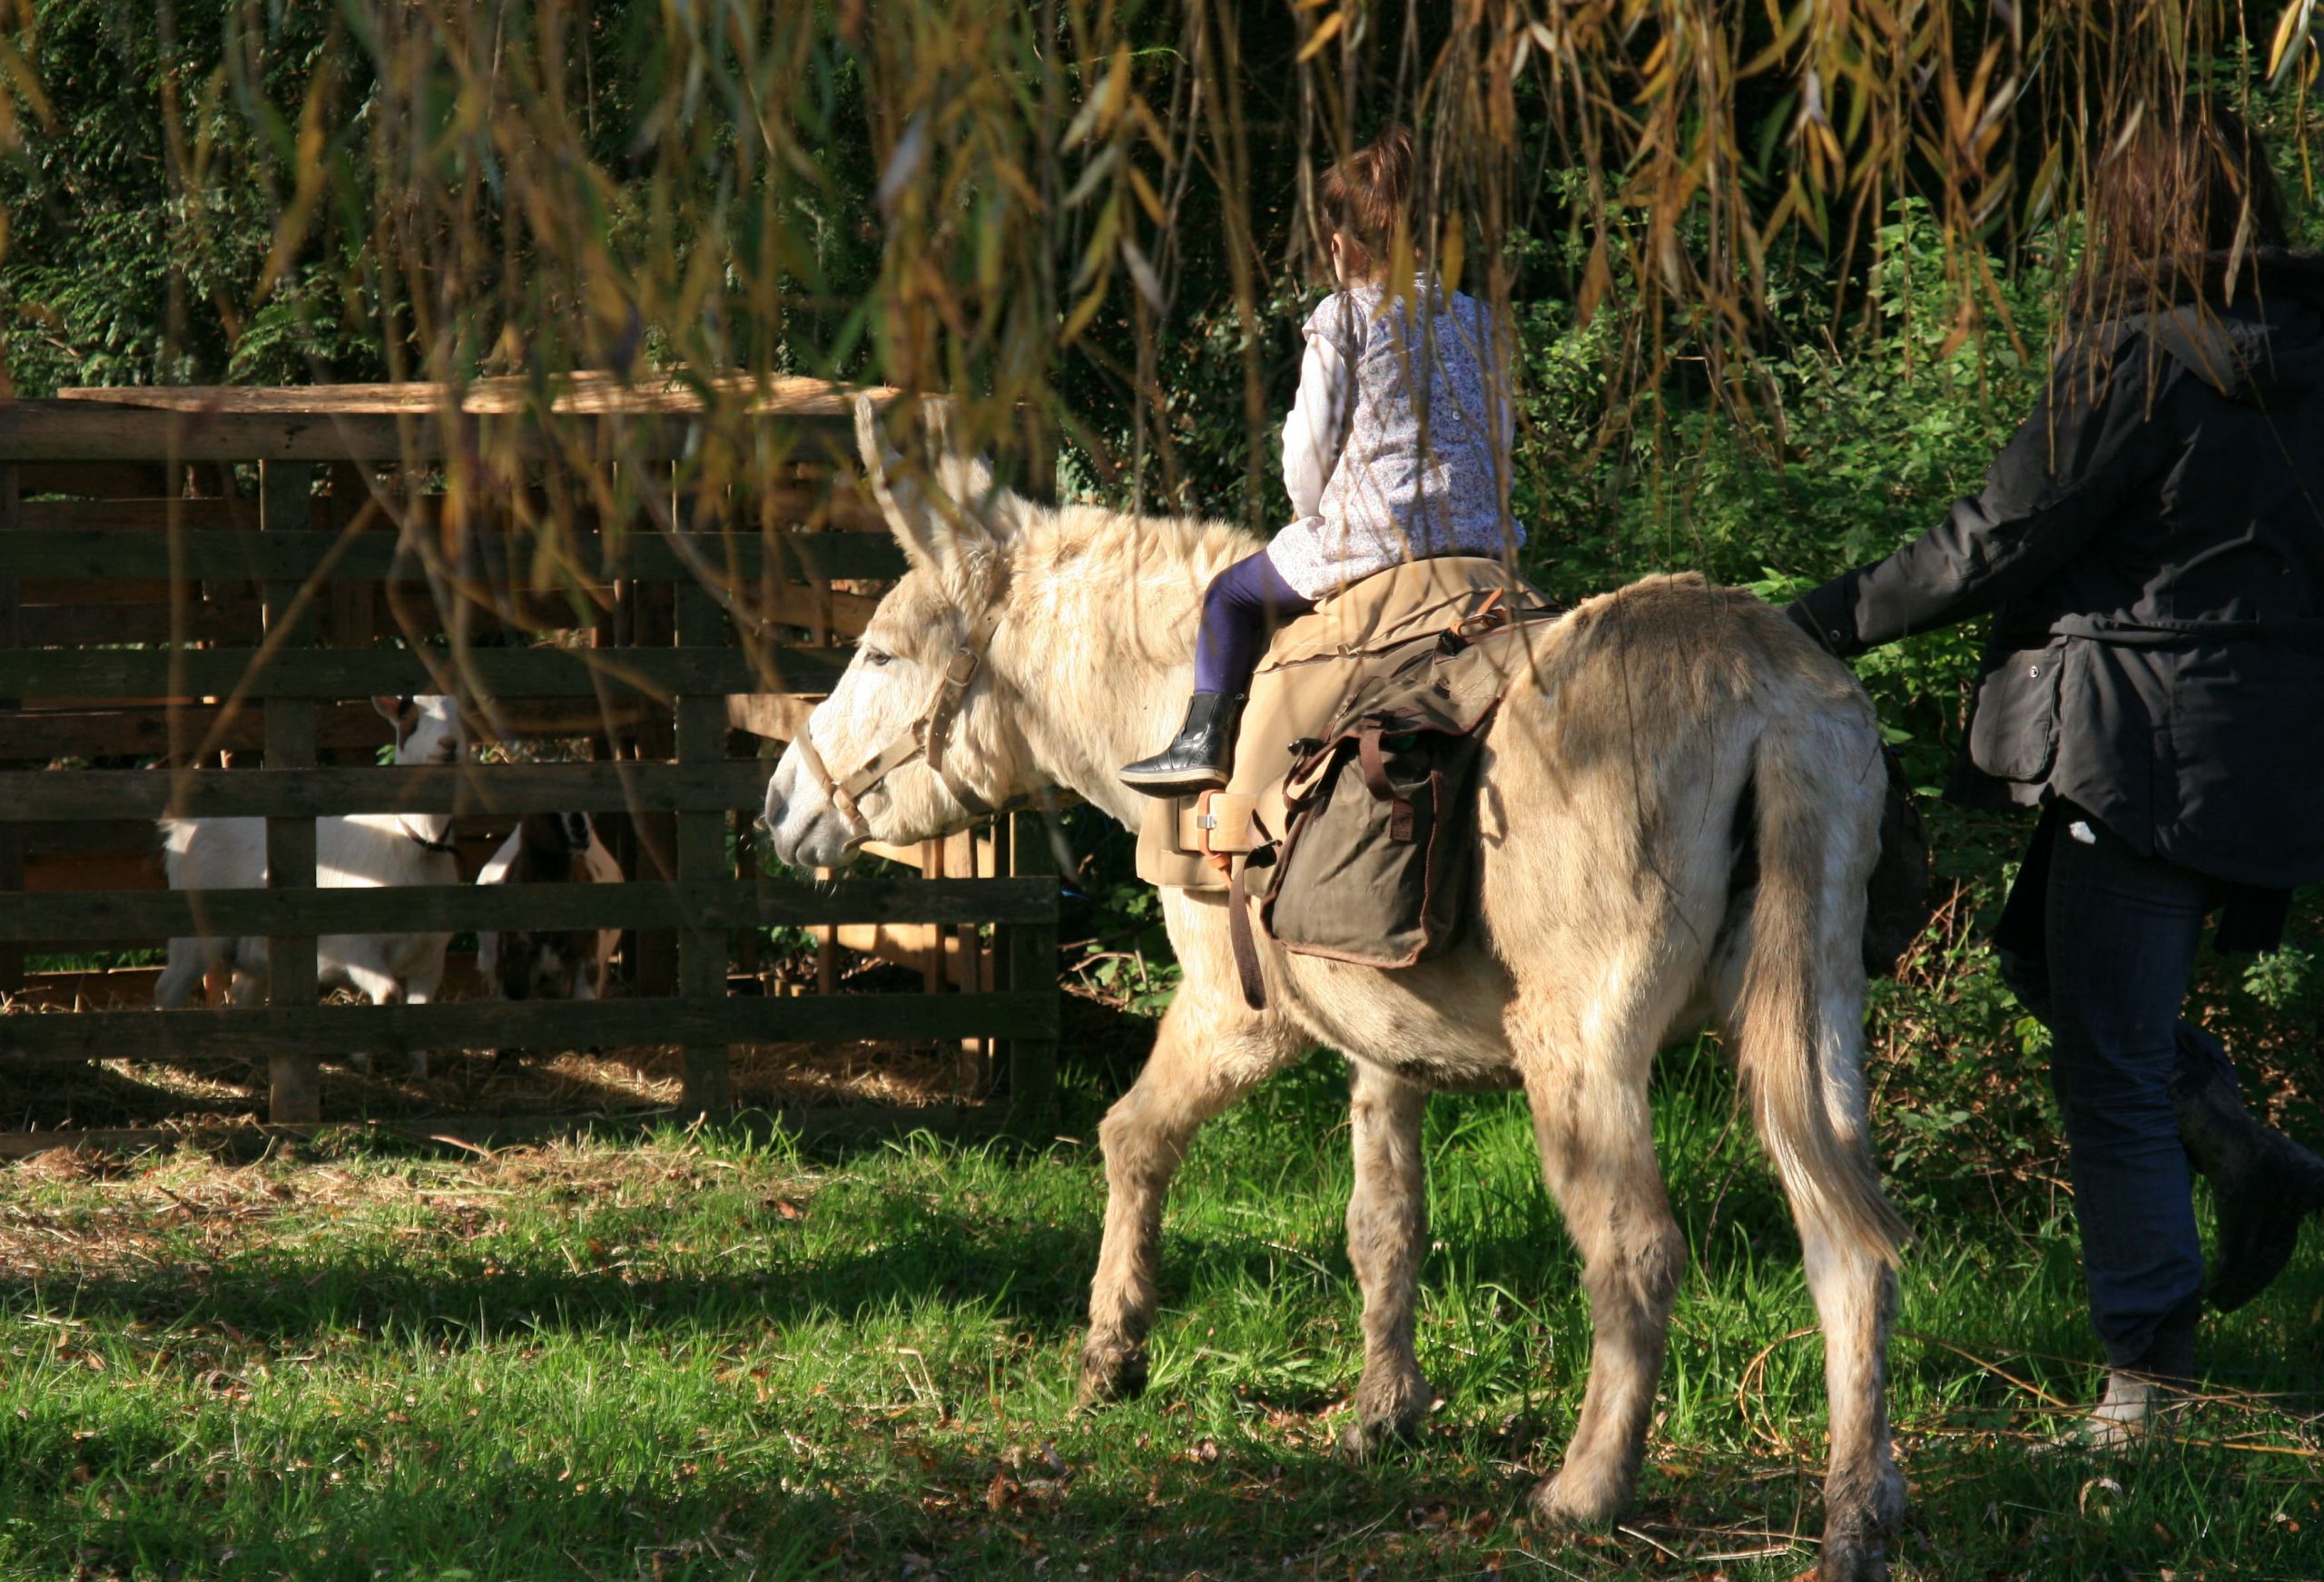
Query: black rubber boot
(1198,758)
(2262,1183)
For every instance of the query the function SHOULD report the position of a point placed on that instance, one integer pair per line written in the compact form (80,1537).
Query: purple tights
(1239,609)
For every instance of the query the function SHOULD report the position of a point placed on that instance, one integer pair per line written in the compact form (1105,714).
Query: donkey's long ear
(937,508)
(882,467)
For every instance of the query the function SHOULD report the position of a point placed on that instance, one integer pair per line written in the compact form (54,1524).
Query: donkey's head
(427,728)
(916,740)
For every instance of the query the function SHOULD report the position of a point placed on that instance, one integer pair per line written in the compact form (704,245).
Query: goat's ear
(938,507)
(393,708)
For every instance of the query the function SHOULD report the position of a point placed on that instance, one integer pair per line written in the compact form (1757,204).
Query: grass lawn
(696,1359)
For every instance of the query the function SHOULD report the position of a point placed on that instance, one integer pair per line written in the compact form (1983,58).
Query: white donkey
(1662,731)
(354,850)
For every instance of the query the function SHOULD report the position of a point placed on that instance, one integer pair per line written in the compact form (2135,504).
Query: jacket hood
(2253,333)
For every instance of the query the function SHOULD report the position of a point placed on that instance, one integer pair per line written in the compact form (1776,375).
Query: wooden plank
(776,716)
(162,515)
(339,1030)
(232,621)
(715,903)
(43,795)
(99,480)
(645,556)
(129,871)
(294,1093)
(1029,959)
(805,1125)
(95,590)
(130,731)
(699,724)
(12,837)
(583,390)
(78,430)
(499,672)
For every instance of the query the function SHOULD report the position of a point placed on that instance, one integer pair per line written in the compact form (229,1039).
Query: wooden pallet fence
(163,622)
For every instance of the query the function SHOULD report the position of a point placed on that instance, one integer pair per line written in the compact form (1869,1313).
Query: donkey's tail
(1800,1018)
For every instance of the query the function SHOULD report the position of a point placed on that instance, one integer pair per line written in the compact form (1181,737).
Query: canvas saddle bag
(1352,809)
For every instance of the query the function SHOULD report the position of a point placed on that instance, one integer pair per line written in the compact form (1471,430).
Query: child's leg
(1242,605)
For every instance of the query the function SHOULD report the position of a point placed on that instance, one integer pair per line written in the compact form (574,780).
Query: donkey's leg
(1587,1087)
(1863,1494)
(1208,1052)
(1854,1287)
(1387,1238)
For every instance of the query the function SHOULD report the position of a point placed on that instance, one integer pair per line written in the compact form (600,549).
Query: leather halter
(417,839)
(924,739)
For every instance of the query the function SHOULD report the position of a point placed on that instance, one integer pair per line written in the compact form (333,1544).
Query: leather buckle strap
(1239,939)
(1376,780)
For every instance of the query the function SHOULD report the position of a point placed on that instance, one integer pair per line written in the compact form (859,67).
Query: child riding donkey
(1396,450)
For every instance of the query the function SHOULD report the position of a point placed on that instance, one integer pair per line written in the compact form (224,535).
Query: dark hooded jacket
(2151,546)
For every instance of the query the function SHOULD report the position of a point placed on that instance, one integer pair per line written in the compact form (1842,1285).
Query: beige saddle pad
(1315,665)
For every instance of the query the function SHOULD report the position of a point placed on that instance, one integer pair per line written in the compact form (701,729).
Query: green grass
(708,1359)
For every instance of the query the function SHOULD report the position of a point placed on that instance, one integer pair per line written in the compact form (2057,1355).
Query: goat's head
(427,728)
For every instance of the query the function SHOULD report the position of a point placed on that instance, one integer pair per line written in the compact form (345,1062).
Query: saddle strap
(1238,937)
(1376,781)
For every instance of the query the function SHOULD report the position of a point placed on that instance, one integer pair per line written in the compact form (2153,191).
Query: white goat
(549,963)
(352,851)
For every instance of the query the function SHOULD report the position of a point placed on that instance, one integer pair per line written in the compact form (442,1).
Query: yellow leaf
(1451,252)
(1597,279)
(2292,38)
(1148,198)
(1322,36)
(1083,313)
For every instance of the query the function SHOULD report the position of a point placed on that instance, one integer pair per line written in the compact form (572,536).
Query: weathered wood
(714,903)
(61,626)
(776,716)
(592,558)
(341,1030)
(130,731)
(294,1081)
(59,431)
(40,795)
(12,838)
(500,672)
(700,730)
(99,480)
(162,515)
(583,390)
(1031,950)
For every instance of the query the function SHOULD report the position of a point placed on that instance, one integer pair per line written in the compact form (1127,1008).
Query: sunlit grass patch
(698,1357)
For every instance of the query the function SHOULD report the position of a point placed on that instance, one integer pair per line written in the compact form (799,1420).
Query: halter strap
(447,847)
(925,738)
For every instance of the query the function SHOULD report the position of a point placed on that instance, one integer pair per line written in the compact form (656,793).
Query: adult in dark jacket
(2151,547)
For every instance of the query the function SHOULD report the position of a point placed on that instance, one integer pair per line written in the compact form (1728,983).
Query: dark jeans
(1239,610)
(2119,932)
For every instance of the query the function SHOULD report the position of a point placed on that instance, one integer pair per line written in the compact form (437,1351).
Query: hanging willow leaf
(1325,31)
(2290,39)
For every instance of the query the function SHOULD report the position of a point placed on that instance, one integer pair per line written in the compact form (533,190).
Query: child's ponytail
(1366,196)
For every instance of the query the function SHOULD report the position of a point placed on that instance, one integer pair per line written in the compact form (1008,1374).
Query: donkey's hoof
(1860,1521)
(1111,1374)
(1850,1563)
(1573,1498)
(1385,1416)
